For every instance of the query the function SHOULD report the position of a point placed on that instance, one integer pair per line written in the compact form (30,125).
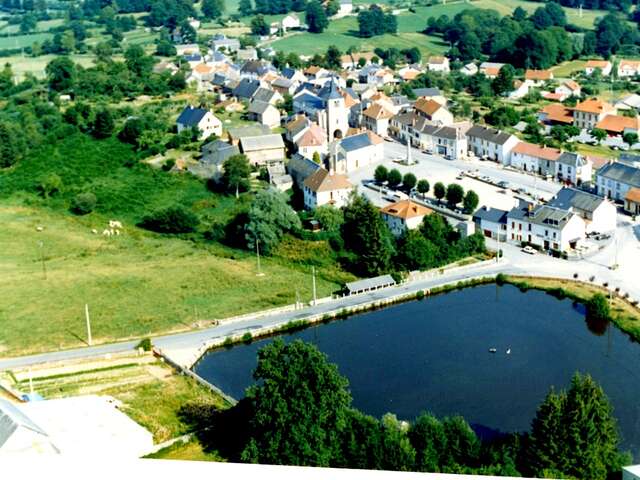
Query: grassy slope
(342,32)
(138,283)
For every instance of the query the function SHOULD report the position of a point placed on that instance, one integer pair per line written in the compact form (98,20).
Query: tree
(333,7)
(269,218)
(61,74)
(381,174)
(316,17)
(598,134)
(409,181)
(103,124)
(316,158)
(332,58)
(423,187)
(439,191)
(455,194)
(470,201)
(414,252)
(137,62)
(519,14)
(574,433)
(428,437)
(236,171)
(245,8)
(374,21)
(630,138)
(367,236)
(503,83)
(28,23)
(299,406)
(394,178)
(12,146)
(259,26)
(83,203)
(173,219)
(469,47)
(213,9)
(330,218)
(6,78)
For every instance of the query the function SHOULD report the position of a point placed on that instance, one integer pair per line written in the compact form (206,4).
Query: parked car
(530,250)
(503,184)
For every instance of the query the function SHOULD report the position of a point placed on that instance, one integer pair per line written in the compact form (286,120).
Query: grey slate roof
(491,135)
(262,142)
(371,283)
(190,116)
(621,173)
(550,216)
(570,197)
(355,142)
(300,168)
(216,152)
(519,213)
(447,132)
(573,159)
(282,82)
(491,215)
(253,130)
(259,107)
(426,92)
(11,418)
(264,95)
(246,88)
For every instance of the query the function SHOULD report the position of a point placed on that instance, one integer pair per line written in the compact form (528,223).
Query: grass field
(566,69)
(22,65)
(42,26)
(343,32)
(23,41)
(139,283)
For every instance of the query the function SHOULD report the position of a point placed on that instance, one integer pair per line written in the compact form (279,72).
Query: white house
(491,69)
(201,118)
(312,140)
(357,151)
(573,168)
(289,22)
(376,118)
(520,90)
(438,63)
(469,69)
(628,68)
(537,78)
(346,7)
(569,88)
(599,214)
(265,113)
(614,180)
(589,112)
(491,143)
(604,66)
(403,215)
(545,227)
(534,158)
(326,188)
(433,111)
(492,223)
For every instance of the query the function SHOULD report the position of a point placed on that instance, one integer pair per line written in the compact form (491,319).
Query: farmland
(343,32)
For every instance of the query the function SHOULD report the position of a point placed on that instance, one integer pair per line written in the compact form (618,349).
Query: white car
(529,250)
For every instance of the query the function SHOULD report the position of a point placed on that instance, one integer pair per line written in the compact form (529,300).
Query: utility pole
(86,314)
(313,273)
(44,267)
(259,274)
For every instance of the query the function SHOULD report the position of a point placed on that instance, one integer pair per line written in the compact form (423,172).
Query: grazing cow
(115,224)
(107,233)
(39,229)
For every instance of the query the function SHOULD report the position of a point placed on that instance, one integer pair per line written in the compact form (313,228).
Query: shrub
(420,295)
(247,337)
(50,184)
(83,203)
(168,165)
(501,279)
(145,344)
(175,219)
(598,308)
(228,342)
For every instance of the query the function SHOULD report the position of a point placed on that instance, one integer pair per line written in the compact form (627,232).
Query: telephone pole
(44,267)
(259,274)
(313,273)
(86,314)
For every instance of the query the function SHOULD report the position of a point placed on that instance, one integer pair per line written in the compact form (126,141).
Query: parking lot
(473,174)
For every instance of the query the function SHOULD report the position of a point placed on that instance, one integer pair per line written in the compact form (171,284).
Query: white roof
(82,426)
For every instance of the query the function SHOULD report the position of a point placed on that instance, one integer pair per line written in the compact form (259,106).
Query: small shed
(369,284)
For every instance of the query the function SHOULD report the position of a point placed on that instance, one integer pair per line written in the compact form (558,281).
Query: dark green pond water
(434,355)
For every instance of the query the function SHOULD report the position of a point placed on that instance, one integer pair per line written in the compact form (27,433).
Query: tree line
(539,40)
(299,412)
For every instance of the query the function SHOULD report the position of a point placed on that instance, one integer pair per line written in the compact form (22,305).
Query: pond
(434,355)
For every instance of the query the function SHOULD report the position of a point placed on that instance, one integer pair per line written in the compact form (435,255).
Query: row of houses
(561,225)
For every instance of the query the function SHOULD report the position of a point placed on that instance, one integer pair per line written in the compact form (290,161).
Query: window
(546,233)
(529,227)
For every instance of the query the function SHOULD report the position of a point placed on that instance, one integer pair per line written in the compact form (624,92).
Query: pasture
(138,283)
